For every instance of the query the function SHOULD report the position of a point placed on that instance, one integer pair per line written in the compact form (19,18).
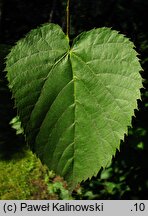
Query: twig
(68,18)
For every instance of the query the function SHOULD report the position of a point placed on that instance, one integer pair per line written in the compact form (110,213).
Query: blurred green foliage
(22,176)
(16,124)
(15,175)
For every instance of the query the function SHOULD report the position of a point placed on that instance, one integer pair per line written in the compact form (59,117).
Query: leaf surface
(75,103)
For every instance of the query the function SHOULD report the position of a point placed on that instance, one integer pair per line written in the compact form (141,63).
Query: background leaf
(75,104)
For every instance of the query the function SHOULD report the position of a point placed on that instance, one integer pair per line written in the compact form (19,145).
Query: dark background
(127,177)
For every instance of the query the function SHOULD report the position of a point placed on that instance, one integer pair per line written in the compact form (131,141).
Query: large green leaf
(74,103)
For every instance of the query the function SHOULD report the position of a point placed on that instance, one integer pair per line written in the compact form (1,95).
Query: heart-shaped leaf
(75,103)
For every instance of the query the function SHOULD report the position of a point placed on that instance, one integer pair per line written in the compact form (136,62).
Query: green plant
(25,177)
(74,102)
(16,175)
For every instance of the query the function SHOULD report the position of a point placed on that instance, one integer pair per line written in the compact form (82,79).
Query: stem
(68,18)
